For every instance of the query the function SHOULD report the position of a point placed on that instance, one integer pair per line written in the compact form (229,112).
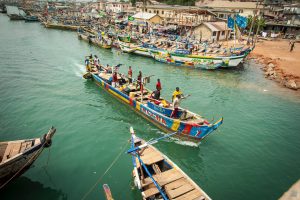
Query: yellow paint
(175,125)
(118,96)
(138,107)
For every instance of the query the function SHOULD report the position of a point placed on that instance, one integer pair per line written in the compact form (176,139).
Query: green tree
(133,2)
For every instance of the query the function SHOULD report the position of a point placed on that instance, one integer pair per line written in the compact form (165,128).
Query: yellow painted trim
(175,125)
(118,96)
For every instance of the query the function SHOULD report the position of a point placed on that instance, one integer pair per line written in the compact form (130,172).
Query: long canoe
(157,176)
(191,126)
(17,156)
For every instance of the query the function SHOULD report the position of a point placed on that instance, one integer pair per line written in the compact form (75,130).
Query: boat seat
(149,157)
(191,195)
(178,188)
(196,121)
(150,192)
(164,177)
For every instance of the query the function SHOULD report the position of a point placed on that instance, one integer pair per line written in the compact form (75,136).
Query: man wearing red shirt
(158,85)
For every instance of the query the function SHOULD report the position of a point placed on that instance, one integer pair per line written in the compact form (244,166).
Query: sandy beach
(278,62)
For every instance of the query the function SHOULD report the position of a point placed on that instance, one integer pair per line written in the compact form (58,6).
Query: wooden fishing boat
(199,61)
(15,17)
(101,43)
(17,156)
(31,18)
(61,26)
(127,47)
(191,126)
(157,177)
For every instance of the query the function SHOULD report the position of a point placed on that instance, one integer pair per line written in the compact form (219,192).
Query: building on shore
(179,15)
(243,8)
(284,19)
(150,18)
(211,31)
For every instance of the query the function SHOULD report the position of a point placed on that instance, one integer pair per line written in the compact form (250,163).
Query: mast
(252,23)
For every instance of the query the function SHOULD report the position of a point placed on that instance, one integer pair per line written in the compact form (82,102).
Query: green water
(253,155)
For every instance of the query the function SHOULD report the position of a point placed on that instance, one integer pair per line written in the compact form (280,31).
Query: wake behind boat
(157,176)
(191,126)
(17,156)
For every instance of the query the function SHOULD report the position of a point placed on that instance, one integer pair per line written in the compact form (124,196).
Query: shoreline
(278,63)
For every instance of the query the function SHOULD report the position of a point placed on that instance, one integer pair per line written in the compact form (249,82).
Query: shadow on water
(28,189)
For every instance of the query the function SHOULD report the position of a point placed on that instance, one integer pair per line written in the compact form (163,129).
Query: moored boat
(61,26)
(157,176)
(15,17)
(191,126)
(31,18)
(17,156)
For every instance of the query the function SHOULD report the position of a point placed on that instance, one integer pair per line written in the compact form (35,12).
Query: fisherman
(139,80)
(158,85)
(175,93)
(114,79)
(156,95)
(96,61)
(176,103)
(130,74)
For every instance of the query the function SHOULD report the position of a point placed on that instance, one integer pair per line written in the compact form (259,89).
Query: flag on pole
(230,22)
(241,21)
(130,18)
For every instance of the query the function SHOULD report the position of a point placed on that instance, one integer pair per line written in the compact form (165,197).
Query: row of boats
(204,58)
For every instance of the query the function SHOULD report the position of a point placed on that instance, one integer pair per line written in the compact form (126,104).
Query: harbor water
(253,155)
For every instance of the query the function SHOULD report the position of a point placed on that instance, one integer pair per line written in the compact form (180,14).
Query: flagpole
(234,32)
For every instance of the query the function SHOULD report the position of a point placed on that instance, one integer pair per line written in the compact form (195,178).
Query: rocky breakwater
(273,71)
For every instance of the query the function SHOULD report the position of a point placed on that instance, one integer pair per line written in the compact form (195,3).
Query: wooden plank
(194,194)
(178,188)
(150,160)
(165,177)
(15,149)
(152,191)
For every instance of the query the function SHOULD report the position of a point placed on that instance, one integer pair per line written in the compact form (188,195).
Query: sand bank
(278,62)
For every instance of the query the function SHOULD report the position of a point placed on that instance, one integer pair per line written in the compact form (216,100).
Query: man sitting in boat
(156,95)
(176,92)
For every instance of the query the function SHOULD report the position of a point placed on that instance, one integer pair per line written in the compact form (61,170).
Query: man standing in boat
(158,85)
(175,93)
(139,80)
(176,102)
(114,79)
(130,74)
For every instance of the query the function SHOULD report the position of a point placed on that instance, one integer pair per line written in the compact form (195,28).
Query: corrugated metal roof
(144,15)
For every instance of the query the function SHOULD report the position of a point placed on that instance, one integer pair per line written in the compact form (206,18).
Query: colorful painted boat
(17,156)
(157,176)
(143,49)
(191,126)
(127,47)
(197,61)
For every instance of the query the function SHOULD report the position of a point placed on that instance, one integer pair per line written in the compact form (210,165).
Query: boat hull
(15,161)
(187,131)
(61,27)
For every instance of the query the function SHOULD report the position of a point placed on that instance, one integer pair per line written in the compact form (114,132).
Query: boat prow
(17,156)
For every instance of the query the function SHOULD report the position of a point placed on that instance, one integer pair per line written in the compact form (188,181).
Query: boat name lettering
(154,116)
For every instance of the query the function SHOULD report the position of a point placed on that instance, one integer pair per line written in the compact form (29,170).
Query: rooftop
(228,4)
(144,15)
